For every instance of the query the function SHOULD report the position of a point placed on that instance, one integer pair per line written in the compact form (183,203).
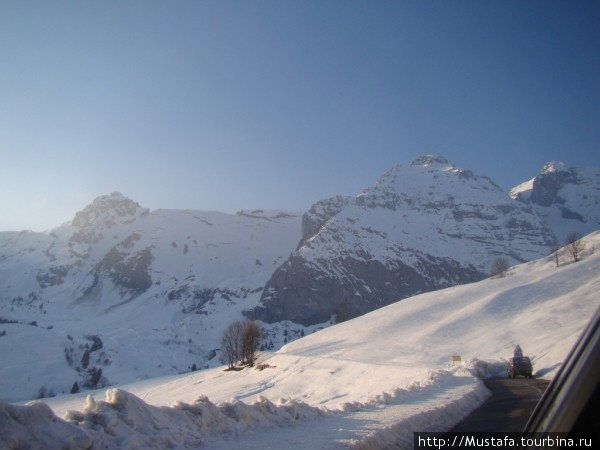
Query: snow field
(365,383)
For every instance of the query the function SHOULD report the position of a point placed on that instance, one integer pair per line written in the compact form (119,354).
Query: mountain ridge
(420,227)
(176,278)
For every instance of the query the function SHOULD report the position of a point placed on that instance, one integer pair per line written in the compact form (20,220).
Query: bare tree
(250,339)
(499,267)
(231,344)
(574,245)
(555,251)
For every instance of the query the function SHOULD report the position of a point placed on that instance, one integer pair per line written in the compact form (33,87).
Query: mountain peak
(555,166)
(429,160)
(108,210)
(566,197)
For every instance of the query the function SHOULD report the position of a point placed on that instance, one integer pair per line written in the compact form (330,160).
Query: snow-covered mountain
(366,383)
(568,198)
(421,227)
(149,292)
(139,294)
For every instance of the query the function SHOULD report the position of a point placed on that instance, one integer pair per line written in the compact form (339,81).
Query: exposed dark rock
(304,294)
(129,271)
(427,160)
(53,276)
(319,214)
(568,214)
(194,298)
(547,184)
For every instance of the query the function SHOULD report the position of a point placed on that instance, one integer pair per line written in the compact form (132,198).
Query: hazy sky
(276,104)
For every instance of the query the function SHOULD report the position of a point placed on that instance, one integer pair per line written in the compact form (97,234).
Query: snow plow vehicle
(519,365)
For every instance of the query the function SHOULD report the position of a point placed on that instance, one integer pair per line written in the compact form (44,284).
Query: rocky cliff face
(567,198)
(422,227)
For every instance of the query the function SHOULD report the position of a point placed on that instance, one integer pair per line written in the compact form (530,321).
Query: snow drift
(124,421)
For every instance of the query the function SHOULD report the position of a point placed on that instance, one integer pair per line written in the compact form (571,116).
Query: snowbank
(441,418)
(125,421)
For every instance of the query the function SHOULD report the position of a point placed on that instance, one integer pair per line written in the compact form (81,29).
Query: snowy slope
(421,227)
(155,288)
(568,198)
(366,382)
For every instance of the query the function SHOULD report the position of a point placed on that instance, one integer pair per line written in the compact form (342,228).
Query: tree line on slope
(573,247)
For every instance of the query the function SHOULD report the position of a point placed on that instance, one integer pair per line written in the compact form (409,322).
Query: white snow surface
(203,269)
(366,383)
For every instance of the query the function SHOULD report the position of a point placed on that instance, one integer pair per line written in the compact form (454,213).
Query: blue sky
(277,104)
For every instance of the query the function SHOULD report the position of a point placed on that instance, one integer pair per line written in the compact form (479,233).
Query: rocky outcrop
(108,210)
(319,214)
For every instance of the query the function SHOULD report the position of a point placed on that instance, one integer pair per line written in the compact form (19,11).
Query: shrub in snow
(499,267)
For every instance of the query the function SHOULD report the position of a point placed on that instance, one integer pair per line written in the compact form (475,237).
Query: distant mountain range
(157,288)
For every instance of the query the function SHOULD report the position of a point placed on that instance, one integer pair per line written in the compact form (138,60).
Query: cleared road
(509,407)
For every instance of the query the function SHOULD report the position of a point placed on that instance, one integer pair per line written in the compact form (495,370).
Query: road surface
(509,407)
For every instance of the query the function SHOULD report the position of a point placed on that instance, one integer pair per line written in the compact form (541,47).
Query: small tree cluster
(574,246)
(239,343)
(499,267)
(44,392)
